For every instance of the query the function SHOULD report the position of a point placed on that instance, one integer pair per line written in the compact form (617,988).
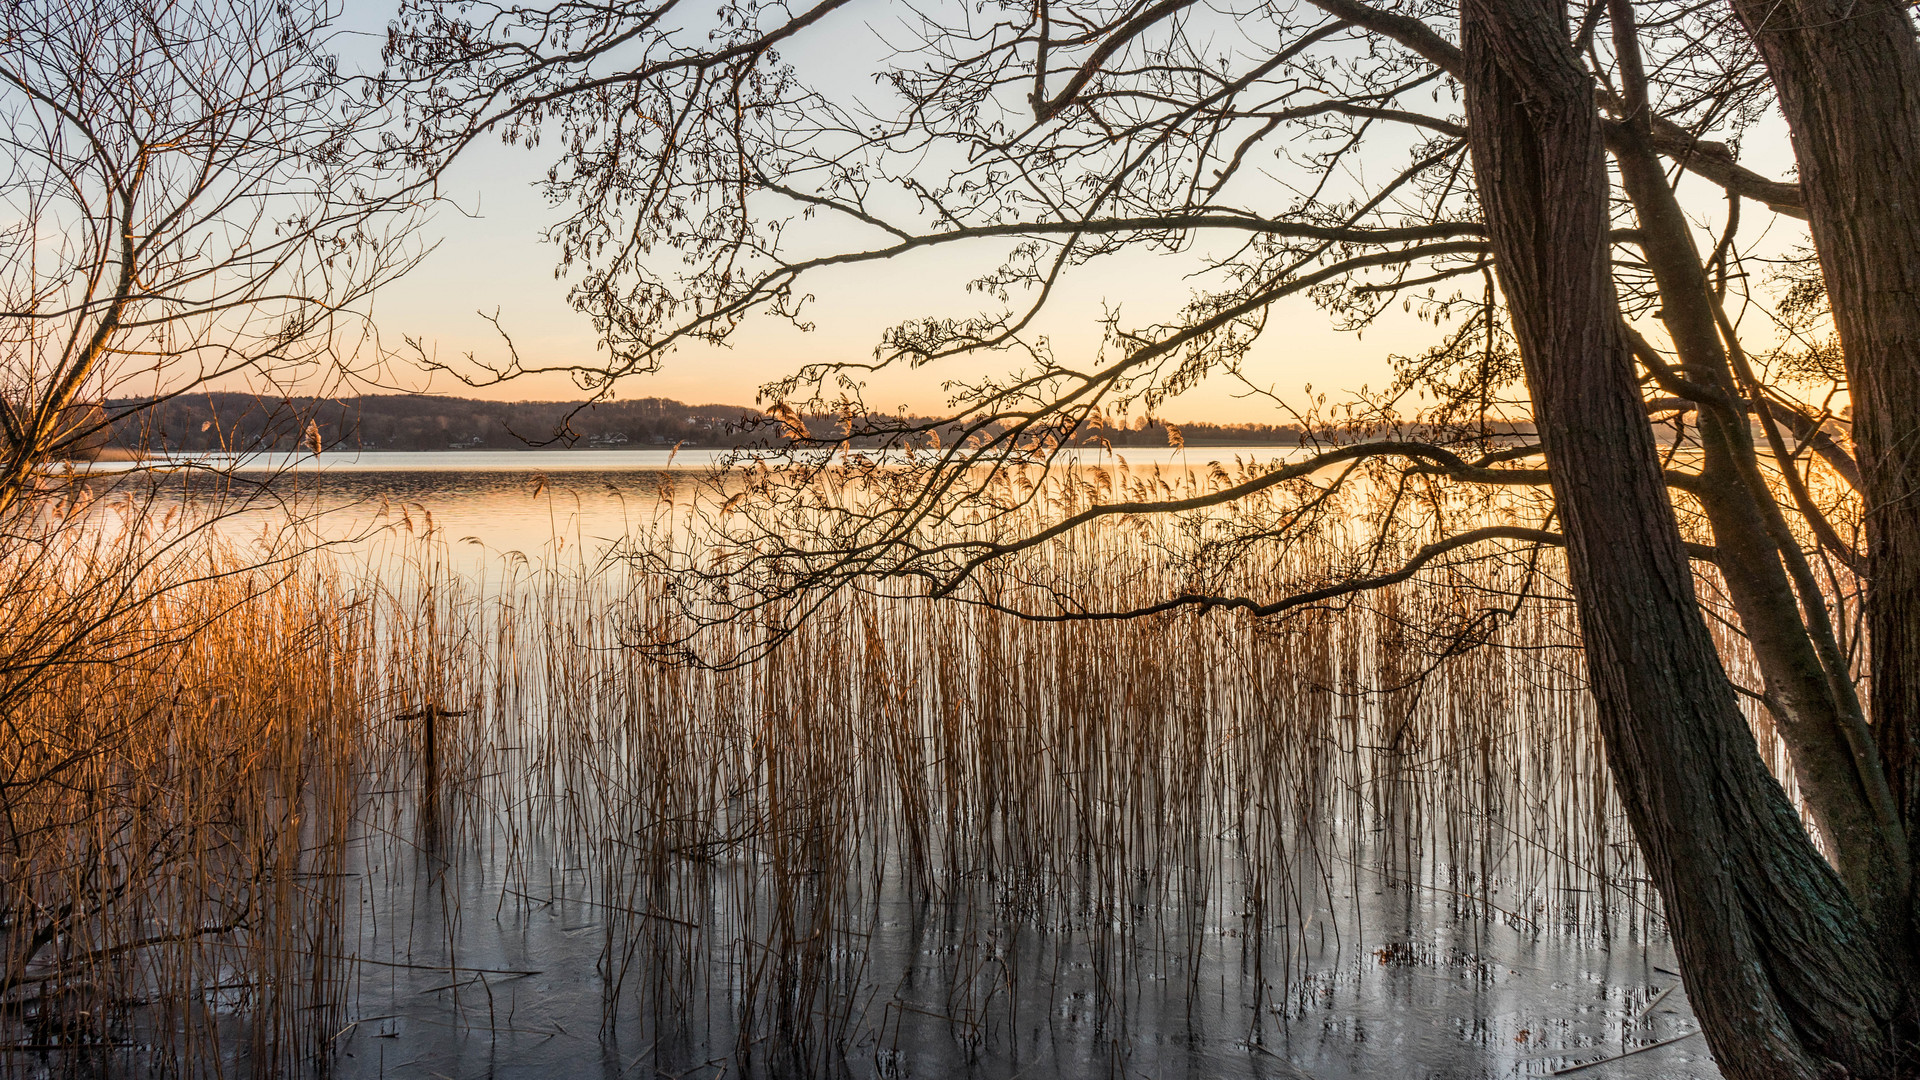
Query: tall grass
(177,785)
(215,841)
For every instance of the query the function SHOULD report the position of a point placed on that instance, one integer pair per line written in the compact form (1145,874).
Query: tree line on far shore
(246,423)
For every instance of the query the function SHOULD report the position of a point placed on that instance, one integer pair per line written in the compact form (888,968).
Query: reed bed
(178,780)
(915,821)
(922,812)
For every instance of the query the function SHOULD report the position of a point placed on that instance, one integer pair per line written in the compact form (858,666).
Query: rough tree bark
(1818,716)
(1780,965)
(1848,76)
(1808,691)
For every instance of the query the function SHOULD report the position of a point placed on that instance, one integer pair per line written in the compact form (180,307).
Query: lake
(921,841)
(492,503)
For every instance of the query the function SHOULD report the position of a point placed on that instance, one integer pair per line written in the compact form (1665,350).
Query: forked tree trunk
(1809,692)
(1785,978)
(1848,76)
(1812,704)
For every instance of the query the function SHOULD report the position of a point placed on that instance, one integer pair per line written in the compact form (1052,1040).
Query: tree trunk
(1807,686)
(1780,969)
(1848,76)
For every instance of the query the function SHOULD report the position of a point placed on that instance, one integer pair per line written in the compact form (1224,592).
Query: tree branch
(1321,595)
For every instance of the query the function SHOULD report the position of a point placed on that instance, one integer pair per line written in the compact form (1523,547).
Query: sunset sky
(491,257)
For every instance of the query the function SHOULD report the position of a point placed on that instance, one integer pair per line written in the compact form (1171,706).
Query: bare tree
(192,193)
(1322,149)
(1849,84)
(1783,966)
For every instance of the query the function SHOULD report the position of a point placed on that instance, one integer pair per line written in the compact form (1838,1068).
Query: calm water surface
(471,965)
(490,503)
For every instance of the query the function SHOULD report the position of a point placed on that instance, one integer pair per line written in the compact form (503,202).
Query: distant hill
(205,422)
(244,422)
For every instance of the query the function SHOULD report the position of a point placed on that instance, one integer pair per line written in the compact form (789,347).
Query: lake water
(492,503)
(512,944)
(1389,982)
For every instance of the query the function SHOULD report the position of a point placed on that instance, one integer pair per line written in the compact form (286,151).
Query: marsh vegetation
(418,805)
(924,739)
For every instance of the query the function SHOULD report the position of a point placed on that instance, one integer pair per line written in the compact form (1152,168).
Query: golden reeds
(221,846)
(179,784)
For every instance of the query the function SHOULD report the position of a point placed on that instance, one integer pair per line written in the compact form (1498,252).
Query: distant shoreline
(223,422)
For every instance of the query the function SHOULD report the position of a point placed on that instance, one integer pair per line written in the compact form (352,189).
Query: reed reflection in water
(919,840)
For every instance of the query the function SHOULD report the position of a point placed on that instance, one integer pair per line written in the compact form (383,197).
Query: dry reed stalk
(912,810)
(178,795)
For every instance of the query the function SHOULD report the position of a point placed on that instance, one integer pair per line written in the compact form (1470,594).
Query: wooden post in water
(429,718)
(430,751)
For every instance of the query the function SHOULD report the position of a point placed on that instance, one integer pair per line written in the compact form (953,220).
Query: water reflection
(493,503)
(611,880)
